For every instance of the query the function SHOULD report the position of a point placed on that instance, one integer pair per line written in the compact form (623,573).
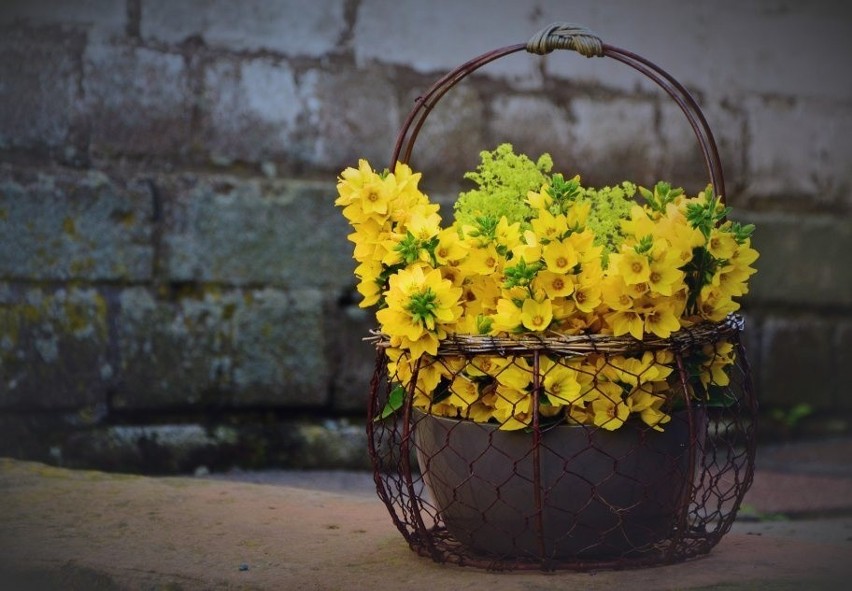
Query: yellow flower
(554,285)
(507,317)
(744,255)
(548,227)
(529,250)
(512,408)
(639,224)
(481,294)
(487,366)
(719,357)
(615,294)
(560,383)
(647,404)
(480,411)
(540,201)
(635,371)
(536,315)
(351,183)
(508,235)
(660,318)
(407,180)
(450,247)
(363,194)
(563,308)
(401,369)
(418,305)
(714,304)
(482,260)
(463,392)
(633,267)
(721,244)
(679,237)
(424,226)
(584,245)
(517,375)
(369,287)
(587,294)
(664,278)
(578,214)
(560,256)
(609,410)
(623,322)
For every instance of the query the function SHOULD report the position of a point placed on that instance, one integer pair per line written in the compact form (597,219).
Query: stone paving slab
(63,529)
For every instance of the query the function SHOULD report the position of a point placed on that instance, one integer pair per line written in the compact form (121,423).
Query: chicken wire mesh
(570,478)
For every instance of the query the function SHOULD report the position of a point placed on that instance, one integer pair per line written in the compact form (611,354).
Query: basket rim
(581,344)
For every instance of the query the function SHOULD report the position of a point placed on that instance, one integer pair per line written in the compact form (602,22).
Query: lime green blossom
(503,179)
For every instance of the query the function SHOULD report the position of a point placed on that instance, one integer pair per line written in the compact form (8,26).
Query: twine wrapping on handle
(563,35)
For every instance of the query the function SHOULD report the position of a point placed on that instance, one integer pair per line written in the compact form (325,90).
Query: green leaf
(395,401)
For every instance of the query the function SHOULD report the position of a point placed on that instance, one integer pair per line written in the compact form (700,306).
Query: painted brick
(350,115)
(66,225)
(816,170)
(54,350)
(614,141)
(279,340)
(137,99)
(171,354)
(39,76)
(221,348)
(245,232)
(250,110)
(681,161)
(842,361)
(351,360)
(751,32)
(803,260)
(452,137)
(438,36)
(797,364)
(99,16)
(291,27)
(727,49)
(534,125)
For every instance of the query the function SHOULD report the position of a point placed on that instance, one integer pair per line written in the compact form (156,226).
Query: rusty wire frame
(710,457)
(692,477)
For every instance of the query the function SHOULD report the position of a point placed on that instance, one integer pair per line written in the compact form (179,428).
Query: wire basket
(549,494)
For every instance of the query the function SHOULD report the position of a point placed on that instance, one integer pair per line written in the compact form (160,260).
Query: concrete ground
(68,530)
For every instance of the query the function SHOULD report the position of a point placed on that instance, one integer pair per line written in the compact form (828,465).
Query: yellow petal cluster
(547,274)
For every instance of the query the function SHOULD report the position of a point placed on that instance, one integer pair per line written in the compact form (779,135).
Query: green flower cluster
(504,179)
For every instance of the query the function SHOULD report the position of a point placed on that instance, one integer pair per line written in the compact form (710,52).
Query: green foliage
(503,180)
(791,417)
(610,205)
(410,248)
(395,401)
(741,233)
(521,274)
(705,216)
(564,192)
(663,194)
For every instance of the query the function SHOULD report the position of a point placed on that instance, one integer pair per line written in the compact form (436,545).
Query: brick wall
(168,241)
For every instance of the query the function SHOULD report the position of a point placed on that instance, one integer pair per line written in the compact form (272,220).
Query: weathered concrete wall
(167,235)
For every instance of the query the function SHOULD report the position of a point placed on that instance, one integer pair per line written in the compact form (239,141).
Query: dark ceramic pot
(602,493)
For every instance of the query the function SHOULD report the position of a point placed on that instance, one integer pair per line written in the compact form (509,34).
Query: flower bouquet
(536,254)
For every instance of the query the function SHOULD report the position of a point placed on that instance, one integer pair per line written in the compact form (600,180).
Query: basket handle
(577,38)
